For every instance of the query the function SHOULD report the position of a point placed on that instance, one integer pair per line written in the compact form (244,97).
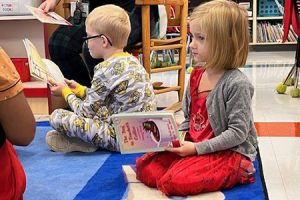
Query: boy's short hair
(112,21)
(226,26)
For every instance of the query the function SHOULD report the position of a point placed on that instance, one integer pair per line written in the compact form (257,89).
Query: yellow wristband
(66,91)
(79,91)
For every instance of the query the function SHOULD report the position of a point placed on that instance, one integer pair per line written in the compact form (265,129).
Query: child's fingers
(70,82)
(51,82)
(67,81)
(172,149)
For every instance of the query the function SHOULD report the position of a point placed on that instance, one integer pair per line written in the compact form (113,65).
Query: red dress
(12,176)
(176,175)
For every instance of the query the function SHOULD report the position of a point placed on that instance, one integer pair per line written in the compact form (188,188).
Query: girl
(17,127)
(221,138)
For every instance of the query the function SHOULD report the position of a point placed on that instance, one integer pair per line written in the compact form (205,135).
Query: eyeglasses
(95,36)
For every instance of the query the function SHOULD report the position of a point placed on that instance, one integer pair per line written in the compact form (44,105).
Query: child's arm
(77,89)
(95,96)
(17,120)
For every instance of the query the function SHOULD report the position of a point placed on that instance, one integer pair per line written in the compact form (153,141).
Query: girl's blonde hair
(226,26)
(112,21)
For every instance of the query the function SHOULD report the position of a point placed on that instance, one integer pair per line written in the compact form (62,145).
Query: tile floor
(277,120)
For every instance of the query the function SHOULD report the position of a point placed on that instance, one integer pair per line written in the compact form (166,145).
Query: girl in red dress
(221,141)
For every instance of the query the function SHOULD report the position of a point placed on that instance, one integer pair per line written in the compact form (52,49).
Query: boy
(66,44)
(120,84)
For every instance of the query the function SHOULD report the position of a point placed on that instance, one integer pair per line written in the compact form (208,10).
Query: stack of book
(267,32)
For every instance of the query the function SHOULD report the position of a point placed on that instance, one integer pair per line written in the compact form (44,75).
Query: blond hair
(226,26)
(112,21)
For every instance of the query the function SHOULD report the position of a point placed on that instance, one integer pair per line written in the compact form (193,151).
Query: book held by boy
(146,131)
(48,17)
(41,68)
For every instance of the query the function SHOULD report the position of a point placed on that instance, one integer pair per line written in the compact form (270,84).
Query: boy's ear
(105,42)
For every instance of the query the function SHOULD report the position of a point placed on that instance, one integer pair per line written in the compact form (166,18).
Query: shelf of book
(272,43)
(266,28)
(270,18)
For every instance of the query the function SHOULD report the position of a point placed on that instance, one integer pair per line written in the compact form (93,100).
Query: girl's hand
(186,149)
(71,83)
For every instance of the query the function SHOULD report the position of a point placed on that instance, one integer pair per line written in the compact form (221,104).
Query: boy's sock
(61,143)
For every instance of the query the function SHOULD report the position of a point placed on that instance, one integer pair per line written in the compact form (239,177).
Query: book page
(49,17)
(37,67)
(54,71)
(42,69)
(144,133)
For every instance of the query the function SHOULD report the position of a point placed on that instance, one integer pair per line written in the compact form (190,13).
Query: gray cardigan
(230,115)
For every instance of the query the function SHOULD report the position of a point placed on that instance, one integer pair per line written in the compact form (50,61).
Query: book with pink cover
(145,131)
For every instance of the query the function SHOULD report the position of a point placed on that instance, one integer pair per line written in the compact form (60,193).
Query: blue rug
(98,175)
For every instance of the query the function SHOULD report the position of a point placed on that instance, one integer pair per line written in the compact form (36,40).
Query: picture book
(145,131)
(48,17)
(42,69)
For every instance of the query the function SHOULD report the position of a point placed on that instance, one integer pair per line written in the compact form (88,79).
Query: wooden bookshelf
(16,29)
(265,29)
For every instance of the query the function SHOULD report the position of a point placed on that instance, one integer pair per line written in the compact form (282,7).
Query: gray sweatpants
(94,131)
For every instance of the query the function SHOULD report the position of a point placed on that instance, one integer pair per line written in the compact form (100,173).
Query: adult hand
(49,5)
(186,149)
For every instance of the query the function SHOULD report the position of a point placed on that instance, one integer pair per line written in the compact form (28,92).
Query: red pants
(175,175)
(12,176)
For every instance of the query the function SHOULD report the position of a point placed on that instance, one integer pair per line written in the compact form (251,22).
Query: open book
(49,17)
(42,69)
(145,131)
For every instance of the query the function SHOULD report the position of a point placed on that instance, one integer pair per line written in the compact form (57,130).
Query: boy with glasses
(66,46)
(120,84)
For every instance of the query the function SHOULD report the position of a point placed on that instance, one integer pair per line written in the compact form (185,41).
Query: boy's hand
(76,88)
(56,88)
(71,83)
(186,149)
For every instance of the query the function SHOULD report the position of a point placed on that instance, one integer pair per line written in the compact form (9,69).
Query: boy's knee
(57,113)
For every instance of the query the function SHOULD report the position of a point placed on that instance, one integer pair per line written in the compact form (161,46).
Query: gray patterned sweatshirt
(120,85)
(230,115)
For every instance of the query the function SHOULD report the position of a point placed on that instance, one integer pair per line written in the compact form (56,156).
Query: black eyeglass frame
(95,36)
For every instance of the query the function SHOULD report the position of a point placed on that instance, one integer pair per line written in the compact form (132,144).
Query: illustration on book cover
(146,133)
